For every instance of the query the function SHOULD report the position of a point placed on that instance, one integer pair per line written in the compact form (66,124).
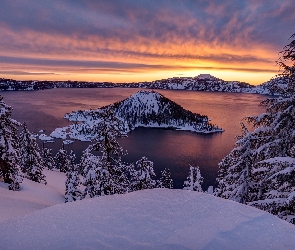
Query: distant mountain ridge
(203,82)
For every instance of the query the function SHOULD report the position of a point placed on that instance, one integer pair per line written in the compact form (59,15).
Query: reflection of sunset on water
(141,41)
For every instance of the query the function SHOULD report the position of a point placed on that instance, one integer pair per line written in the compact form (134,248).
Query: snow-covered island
(37,218)
(145,108)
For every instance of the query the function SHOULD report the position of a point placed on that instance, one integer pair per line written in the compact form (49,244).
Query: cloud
(134,35)
(99,67)
(24,73)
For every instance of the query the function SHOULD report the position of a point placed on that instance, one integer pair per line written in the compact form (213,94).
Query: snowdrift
(148,219)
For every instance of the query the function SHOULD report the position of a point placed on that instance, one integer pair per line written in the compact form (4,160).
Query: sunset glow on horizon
(131,41)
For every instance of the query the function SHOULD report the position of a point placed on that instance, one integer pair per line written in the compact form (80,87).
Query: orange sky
(127,41)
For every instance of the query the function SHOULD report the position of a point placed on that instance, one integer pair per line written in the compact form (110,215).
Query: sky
(140,40)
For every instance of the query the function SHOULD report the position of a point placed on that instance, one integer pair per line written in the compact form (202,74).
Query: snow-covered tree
(61,161)
(194,180)
(31,161)
(96,175)
(108,174)
(142,174)
(108,130)
(48,159)
(72,161)
(166,180)
(9,148)
(235,170)
(269,151)
(73,192)
(276,177)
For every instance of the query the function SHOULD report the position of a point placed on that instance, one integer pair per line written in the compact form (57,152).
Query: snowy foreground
(148,219)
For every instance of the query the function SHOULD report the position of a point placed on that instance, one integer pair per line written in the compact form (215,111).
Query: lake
(45,109)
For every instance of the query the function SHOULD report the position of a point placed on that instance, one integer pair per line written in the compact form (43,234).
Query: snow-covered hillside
(272,86)
(143,109)
(203,82)
(32,197)
(147,219)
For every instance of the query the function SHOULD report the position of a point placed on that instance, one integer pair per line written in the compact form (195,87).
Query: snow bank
(149,219)
(44,137)
(32,196)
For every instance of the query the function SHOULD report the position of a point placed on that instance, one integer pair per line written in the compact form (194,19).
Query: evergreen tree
(194,180)
(166,180)
(108,130)
(141,176)
(234,179)
(31,161)
(96,175)
(61,160)
(72,161)
(269,176)
(48,158)
(277,187)
(9,148)
(73,192)
(108,174)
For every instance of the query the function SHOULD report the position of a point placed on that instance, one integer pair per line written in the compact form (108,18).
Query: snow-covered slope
(151,109)
(272,86)
(148,219)
(143,109)
(32,197)
(203,82)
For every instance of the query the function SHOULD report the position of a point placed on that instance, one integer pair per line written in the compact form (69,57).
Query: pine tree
(73,192)
(9,148)
(276,171)
(277,187)
(48,159)
(108,130)
(269,152)
(141,176)
(31,161)
(61,160)
(166,180)
(107,175)
(234,179)
(194,180)
(96,175)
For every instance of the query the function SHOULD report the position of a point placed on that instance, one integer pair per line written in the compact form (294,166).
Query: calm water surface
(166,148)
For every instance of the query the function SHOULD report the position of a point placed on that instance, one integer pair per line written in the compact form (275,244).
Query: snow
(206,76)
(147,219)
(60,133)
(32,196)
(44,137)
(68,142)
